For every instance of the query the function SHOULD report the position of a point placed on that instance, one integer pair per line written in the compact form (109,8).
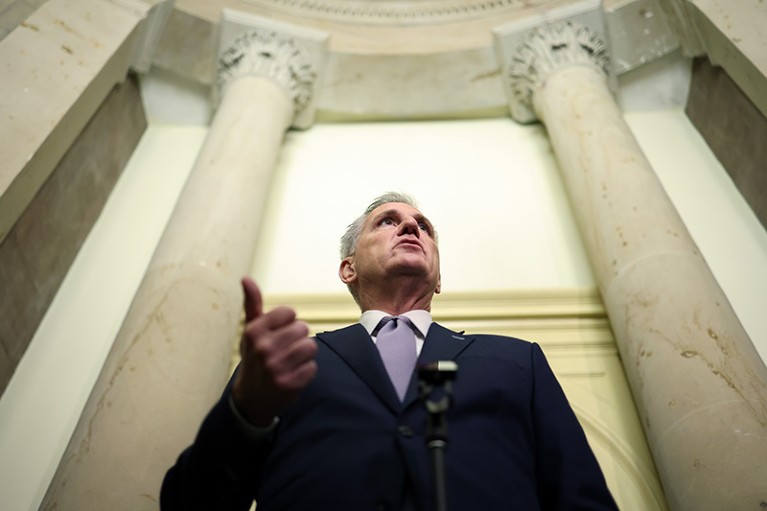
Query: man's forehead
(396,207)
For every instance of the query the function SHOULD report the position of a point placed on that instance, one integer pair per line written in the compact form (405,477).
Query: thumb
(253,303)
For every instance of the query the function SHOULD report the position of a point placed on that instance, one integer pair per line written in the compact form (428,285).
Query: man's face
(396,239)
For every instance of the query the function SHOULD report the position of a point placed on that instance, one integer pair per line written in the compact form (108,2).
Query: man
(319,424)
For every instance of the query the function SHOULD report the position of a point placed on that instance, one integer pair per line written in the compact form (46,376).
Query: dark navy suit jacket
(348,443)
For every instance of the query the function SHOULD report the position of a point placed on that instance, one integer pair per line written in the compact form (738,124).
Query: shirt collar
(421,319)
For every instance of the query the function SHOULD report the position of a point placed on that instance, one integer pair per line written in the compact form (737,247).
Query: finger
(291,332)
(277,318)
(271,333)
(293,354)
(269,324)
(298,377)
(272,347)
(253,303)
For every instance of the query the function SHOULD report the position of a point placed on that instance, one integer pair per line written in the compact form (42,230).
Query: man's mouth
(412,243)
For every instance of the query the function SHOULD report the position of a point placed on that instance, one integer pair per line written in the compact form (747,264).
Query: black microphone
(435,380)
(437,373)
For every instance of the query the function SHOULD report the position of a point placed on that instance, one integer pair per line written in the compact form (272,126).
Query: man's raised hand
(277,359)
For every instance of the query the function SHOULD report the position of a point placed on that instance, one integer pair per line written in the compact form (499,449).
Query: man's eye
(387,221)
(424,226)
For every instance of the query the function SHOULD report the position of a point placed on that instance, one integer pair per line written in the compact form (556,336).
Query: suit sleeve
(218,471)
(568,475)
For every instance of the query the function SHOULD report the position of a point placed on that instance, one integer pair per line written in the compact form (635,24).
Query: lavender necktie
(396,344)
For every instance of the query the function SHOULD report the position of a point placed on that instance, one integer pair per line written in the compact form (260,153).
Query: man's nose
(410,226)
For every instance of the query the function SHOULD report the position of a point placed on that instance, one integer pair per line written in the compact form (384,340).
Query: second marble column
(699,385)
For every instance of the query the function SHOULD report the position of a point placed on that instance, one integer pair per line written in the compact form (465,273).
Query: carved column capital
(272,55)
(548,48)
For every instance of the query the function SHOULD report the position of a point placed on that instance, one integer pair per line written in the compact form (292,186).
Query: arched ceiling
(383,59)
(387,27)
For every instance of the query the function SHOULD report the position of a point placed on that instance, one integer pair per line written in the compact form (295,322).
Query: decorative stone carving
(386,13)
(271,55)
(550,47)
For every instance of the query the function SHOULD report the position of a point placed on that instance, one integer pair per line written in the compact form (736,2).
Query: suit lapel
(440,344)
(354,346)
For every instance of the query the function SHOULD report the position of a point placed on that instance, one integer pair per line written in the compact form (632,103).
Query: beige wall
(504,225)
(491,188)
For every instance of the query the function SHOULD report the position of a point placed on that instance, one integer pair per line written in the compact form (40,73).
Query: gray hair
(352,234)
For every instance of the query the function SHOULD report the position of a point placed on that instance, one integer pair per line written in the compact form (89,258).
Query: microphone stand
(436,391)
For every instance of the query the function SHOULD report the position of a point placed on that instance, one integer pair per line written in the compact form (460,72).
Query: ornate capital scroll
(550,47)
(271,55)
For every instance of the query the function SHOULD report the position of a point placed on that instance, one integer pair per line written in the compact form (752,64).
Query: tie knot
(392,322)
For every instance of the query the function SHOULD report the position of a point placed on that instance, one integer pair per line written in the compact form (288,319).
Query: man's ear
(439,285)
(346,271)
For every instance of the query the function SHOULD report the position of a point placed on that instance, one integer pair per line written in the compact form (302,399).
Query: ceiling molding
(388,12)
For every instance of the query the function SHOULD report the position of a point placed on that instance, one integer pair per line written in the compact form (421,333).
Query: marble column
(698,383)
(171,358)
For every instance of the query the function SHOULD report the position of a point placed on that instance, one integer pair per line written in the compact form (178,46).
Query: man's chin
(416,261)
(411,267)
